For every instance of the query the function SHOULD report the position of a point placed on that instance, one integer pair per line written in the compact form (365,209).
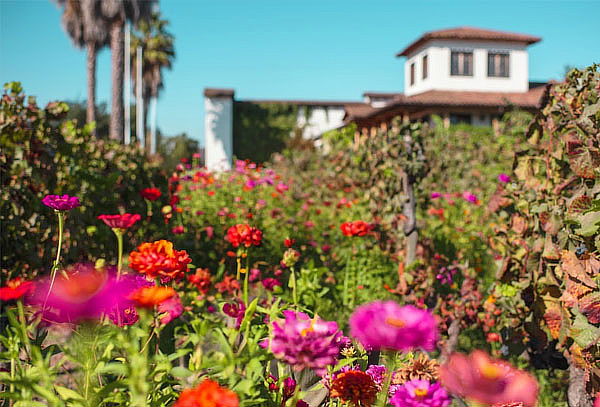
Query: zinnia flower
(487,380)
(387,325)
(172,308)
(207,394)
(123,312)
(243,234)
(159,259)
(356,228)
(303,342)
(229,285)
(420,393)
(290,257)
(504,178)
(377,372)
(356,387)
(15,289)
(82,292)
(201,279)
(469,197)
(270,283)
(124,221)
(237,311)
(150,297)
(61,202)
(151,194)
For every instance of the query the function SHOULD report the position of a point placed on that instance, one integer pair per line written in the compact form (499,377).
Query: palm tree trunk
(91,84)
(116,45)
(153,103)
(147,141)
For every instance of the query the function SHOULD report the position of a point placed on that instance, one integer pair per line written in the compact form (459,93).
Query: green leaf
(181,372)
(68,394)
(590,222)
(584,333)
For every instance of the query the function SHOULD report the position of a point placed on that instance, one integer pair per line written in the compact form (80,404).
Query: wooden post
(446,120)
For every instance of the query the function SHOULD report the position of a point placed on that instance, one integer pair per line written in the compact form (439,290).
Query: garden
(422,266)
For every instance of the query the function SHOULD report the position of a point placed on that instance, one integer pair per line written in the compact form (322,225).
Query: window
(498,65)
(425,67)
(461,63)
(412,73)
(457,118)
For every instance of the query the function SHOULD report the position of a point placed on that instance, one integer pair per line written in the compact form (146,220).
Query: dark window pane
(457,118)
(425,67)
(498,65)
(412,74)
(461,63)
(454,63)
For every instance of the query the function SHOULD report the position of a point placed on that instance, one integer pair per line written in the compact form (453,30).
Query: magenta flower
(123,312)
(305,343)
(124,221)
(61,202)
(289,388)
(172,308)
(435,195)
(377,373)
(420,393)
(237,311)
(387,325)
(82,293)
(469,197)
(504,178)
(270,283)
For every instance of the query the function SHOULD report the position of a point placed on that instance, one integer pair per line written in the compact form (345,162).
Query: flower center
(395,322)
(491,371)
(420,392)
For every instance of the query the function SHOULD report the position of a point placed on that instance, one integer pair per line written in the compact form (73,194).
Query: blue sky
(287,49)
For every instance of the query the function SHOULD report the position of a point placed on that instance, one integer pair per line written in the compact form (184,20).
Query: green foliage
(42,153)
(261,129)
(175,149)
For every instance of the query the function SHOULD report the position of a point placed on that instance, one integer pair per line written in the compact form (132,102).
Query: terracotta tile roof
(441,98)
(381,94)
(304,102)
(218,92)
(469,33)
(358,111)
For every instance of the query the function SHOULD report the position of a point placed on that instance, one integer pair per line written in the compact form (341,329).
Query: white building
(463,74)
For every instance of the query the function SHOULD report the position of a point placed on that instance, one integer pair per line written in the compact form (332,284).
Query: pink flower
(420,393)
(178,230)
(504,178)
(304,342)
(487,380)
(435,195)
(387,325)
(270,283)
(235,310)
(254,275)
(172,307)
(281,187)
(469,197)
(124,221)
(61,203)
(377,373)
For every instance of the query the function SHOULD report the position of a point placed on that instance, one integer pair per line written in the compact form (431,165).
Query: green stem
(56,264)
(391,360)
(119,234)
(294,290)
(246,288)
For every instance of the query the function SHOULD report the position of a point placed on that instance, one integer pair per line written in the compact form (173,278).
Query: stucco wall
(218,132)
(439,77)
(320,119)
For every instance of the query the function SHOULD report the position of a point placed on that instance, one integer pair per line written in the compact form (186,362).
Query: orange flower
(207,394)
(159,259)
(355,386)
(15,288)
(149,297)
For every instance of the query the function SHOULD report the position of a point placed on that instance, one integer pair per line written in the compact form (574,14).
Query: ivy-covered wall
(261,129)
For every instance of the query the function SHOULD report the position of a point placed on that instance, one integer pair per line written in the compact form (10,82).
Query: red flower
(493,337)
(151,194)
(159,259)
(289,242)
(356,228)
(15,288)
(207,394)
(124,221)
(201,279)
(178,230)
(243,234)
(229,285)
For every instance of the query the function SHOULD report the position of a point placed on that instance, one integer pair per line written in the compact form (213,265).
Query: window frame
(461,55)
(497,64)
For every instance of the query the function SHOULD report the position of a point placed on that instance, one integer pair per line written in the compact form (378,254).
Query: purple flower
(270,283)
(305,343)
(237,311)
(123,312)
(61,202)
(504,178)
(172,307)
(377,373)
(469,197)
(387,325)
(420,393)
(435,195)
(289,388)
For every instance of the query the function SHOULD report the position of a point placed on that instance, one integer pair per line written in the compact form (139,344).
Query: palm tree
(86,28)
(115,13)
(158,53)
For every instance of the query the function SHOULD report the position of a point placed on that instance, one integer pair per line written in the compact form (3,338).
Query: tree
(158,53)
(88,29)
(115,13)
(174,148)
